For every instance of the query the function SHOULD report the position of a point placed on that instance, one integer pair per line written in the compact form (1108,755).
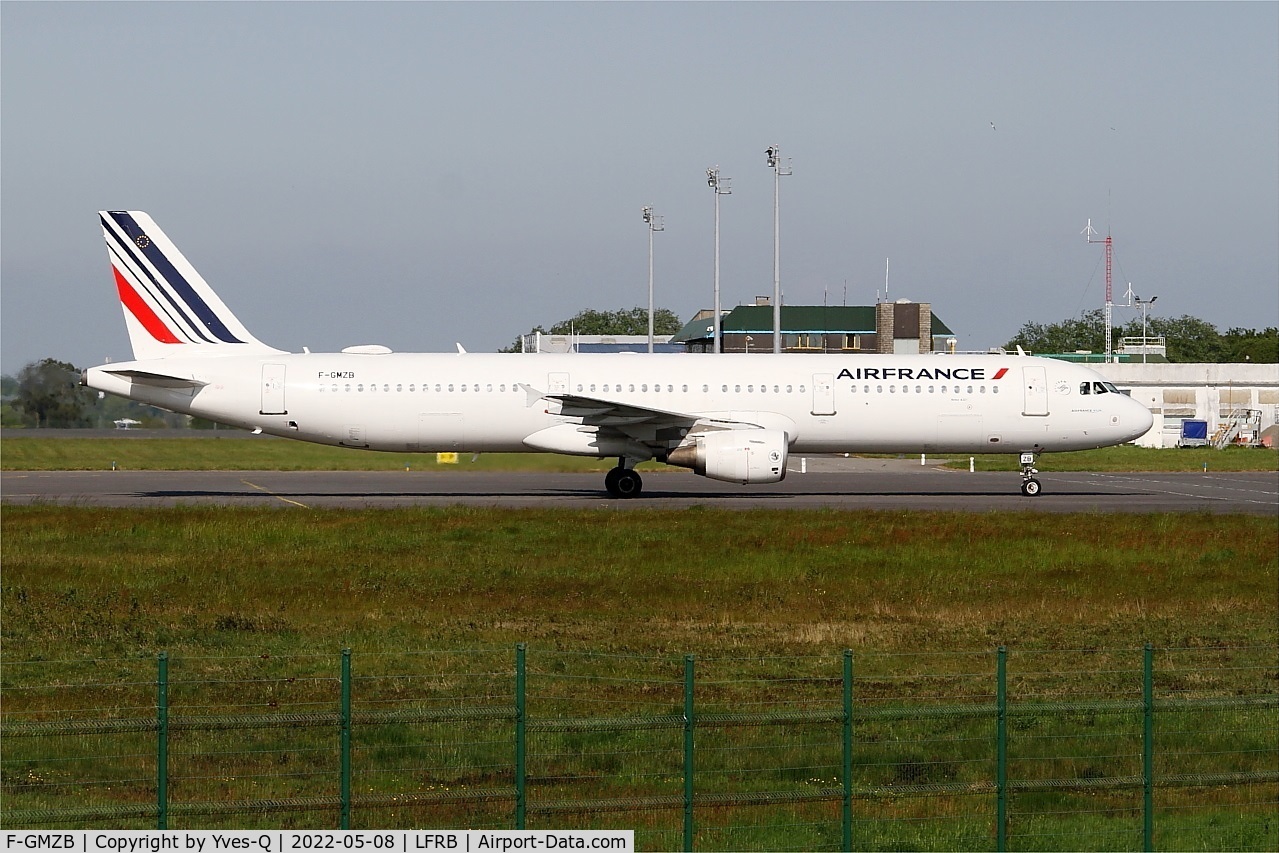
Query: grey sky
(414,174)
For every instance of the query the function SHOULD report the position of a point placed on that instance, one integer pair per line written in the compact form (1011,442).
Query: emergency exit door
(1035,383)
(273,390)
(823,394)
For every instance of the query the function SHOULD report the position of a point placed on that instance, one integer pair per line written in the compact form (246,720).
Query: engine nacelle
(735,455)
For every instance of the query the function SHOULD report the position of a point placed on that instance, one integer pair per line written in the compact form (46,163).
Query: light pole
(775,163)
(654,224)
(1145,306)
(720,187)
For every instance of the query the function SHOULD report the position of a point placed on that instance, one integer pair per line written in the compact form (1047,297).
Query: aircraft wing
(598,411)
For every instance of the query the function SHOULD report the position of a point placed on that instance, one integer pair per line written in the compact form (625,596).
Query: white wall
(1174,392)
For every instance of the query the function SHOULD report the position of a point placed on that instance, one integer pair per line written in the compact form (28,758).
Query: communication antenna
(1091,233)
(886,299)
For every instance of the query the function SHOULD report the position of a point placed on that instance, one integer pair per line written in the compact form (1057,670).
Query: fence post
(344,793)
(162,742)
(1148,748)
(847,820)
(688,752)
(521,791)
(1001,750)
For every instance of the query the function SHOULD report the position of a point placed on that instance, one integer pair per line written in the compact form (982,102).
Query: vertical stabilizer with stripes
(168,307)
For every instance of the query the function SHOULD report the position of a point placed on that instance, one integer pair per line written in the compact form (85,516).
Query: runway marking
(274,495)
(1209,484)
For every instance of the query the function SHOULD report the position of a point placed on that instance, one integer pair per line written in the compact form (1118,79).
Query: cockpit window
(1085,387)
(1099,387)
(1111,388)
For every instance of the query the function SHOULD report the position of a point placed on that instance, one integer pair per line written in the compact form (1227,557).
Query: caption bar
(295,841)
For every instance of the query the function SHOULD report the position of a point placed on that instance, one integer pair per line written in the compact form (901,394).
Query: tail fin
(168,307)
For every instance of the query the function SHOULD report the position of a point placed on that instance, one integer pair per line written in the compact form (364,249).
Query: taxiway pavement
(864,485)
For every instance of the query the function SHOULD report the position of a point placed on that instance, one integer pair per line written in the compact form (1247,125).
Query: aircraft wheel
(623,483)
(1030,488)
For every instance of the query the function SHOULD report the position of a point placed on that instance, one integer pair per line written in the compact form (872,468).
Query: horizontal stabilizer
(159,380)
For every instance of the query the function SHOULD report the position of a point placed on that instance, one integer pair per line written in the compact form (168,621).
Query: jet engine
(735,455)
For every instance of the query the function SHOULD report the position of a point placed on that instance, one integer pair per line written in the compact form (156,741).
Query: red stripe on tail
(142,311)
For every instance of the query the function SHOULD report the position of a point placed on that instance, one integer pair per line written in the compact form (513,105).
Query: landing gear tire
(623,483)
(1030,487)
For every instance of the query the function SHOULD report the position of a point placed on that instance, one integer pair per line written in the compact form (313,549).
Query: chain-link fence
(1098,749)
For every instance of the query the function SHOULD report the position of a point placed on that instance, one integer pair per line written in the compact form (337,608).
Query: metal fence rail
(1096,749)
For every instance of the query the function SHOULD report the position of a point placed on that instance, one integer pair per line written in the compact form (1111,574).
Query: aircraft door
(273,390)
(1035,383)
(823,394)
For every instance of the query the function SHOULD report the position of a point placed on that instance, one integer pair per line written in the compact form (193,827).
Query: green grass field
(113,582)
(252,607)
(211,453)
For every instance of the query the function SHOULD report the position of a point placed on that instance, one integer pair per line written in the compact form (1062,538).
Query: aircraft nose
(1137,421)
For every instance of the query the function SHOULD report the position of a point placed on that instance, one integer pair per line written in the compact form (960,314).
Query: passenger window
(360,387)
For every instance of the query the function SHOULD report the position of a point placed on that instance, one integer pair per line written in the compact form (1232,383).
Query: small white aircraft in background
(734,418)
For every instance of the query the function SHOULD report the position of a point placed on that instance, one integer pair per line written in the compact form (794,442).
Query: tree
(624,321)
(1087,332)
(49,391)
(1188,339)
(1250,345)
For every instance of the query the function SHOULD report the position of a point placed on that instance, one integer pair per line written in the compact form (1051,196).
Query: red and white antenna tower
(1090,233)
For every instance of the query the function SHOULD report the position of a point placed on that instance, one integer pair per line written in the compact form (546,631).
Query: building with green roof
(887,327)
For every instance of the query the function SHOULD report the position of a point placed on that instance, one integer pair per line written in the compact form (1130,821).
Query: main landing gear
(623,482)
(1030,487)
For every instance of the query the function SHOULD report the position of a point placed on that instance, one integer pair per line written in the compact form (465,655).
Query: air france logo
(961,374)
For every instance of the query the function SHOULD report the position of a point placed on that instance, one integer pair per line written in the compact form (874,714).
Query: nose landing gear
(1030,487)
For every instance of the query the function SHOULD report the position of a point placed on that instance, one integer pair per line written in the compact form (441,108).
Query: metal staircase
(1241,427)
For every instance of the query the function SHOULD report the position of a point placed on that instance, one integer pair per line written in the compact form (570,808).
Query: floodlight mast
(720,186)
(654,224)
(775,163)
(1145,305)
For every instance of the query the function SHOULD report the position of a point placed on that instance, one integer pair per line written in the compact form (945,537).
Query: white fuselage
(494,402)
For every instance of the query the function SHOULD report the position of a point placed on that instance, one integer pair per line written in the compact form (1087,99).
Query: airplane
(729,417)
